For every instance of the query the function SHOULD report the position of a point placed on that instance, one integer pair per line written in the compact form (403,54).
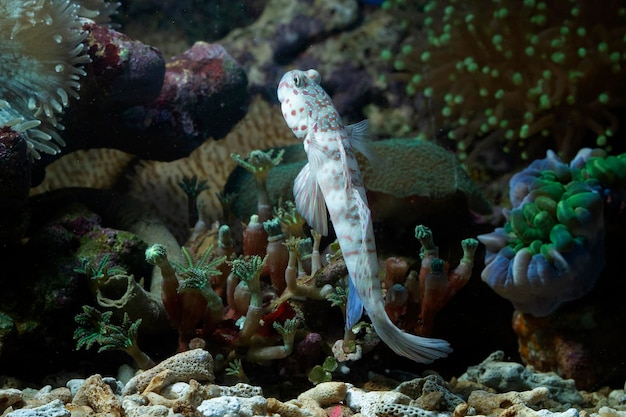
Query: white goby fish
(331,180)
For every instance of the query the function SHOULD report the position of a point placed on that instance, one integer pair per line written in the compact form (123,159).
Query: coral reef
(523,76)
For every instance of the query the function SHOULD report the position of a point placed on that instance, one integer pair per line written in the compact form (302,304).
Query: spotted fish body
(331,183)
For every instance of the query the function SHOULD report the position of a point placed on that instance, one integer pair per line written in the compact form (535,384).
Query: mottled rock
(194,364)
(52,409)
(236,406)
(10,397)
(203,95)
(95,393)
(511,376)
(326,393)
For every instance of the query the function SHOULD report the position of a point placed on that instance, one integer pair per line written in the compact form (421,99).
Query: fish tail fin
(417,348)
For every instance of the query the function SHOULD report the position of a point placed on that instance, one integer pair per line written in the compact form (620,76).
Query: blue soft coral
(551,250)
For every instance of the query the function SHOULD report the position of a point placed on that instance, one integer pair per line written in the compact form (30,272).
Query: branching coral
(94,327)
(186,292)
(510,72)
(551,249)
(437,285)
(41,50)
(259,163)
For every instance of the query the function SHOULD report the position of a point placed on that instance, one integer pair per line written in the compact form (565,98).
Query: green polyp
(448,10)
(503,124)
(575,11)
(546,204)
(544,102)
(436,265)
(398,65)
(416,79)
(497,39)
(463,121)
(428,92)
(603,47)
(485,70)
(556,43)
(581,31)
(529,3)
(386,54)
(484,128)
(553,190)
(452,136)
(523,131)
(535,246)
(483,92)
(558,57)
(509,134)
(517,78)
(425,56)
(564,30)
(458,99)
(494,73)
(614,56)
(492,120)
(529,50)
(406,49)
(543,222)
(582,52)
(546,252)
(521,228)
(603,98)
(446,111)
(601,140)
(561,238)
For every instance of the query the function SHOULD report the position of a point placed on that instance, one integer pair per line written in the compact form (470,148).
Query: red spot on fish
(303,127)
(293,113)
(294,128)
(301,109)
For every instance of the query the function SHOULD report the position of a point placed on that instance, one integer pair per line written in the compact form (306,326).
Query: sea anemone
(100,11)
(522,75)
(40,53)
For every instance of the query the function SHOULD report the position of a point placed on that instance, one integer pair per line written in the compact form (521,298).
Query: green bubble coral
(511,73)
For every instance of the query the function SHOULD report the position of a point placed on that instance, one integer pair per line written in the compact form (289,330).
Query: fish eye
(297,81)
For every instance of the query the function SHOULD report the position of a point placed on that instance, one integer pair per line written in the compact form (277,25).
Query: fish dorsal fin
(359,135)
(310,200)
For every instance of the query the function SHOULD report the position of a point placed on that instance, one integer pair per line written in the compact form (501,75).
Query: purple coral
(551,250)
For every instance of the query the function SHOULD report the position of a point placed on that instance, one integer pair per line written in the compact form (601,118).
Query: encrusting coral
(526,75)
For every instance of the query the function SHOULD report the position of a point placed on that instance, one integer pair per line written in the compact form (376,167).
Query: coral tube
(277,254)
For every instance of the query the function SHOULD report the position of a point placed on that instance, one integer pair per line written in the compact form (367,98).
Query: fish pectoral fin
(310,200)
(359,135)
